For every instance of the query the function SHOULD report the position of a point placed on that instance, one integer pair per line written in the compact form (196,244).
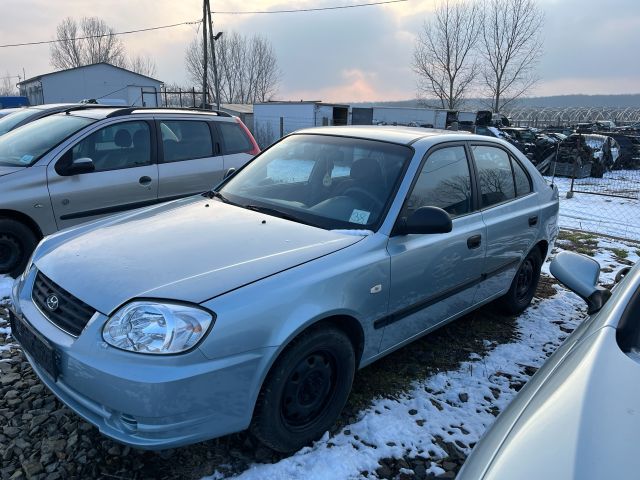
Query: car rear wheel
(305,390)
(17,241)
(524,285)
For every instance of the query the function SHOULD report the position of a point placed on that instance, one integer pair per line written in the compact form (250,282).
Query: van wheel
(305,390)
(524,285)
(17,242)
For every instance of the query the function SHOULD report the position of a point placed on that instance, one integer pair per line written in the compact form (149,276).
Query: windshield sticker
(359,216)
(26,159)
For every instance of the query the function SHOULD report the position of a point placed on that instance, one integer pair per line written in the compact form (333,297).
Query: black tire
(305,390)
(17,242)
(524,285)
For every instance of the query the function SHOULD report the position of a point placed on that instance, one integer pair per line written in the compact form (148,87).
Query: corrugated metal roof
(38,77)
(237,107)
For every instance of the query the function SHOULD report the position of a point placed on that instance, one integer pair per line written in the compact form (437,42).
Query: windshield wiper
(214,194)
(274,212)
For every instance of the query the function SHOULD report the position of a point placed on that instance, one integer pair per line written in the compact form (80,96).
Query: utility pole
(213,55)
(205,13)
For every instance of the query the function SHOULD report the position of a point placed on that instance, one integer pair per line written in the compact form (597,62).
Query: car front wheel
(524,285)
(17,241)
(305,390)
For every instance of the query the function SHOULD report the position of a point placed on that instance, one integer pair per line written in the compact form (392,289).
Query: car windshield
(26,145)
(326,181)
(10,121)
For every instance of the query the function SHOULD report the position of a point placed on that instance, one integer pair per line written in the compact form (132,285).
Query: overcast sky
(360,54)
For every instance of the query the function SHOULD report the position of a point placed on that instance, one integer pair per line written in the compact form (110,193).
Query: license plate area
(42,352)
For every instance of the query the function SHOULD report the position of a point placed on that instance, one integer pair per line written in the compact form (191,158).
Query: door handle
(533,220)
(474,242)
(144,181)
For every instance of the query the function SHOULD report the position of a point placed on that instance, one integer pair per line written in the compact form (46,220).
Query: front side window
(326,181)
(26,145)
(123,145)
(443,182)
(494,175)
(185,140)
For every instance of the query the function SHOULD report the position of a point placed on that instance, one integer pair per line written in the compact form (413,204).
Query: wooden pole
(205,8)
(213,57)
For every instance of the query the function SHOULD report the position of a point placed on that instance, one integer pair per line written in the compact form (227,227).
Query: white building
(272,120)
(100,81)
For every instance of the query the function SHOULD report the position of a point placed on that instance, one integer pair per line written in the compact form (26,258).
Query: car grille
(70,314)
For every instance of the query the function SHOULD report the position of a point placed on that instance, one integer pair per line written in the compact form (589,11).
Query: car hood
(8,170)
(190,250)
(581,424)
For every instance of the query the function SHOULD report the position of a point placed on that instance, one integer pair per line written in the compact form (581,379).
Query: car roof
(387,133)
(98,112)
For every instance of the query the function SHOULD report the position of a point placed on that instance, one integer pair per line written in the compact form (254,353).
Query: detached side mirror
(80,165)
(580,274)
(426,220)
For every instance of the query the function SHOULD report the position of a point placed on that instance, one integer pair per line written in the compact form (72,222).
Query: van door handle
(144,181)
(474,242)
(533,220)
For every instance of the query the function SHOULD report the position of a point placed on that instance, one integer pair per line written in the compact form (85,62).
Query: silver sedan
(252,306)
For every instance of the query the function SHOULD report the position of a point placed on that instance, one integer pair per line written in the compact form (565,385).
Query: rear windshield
(26,145)
(10,121)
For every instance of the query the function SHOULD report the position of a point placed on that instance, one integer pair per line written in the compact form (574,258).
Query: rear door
(434,277)
(236,145)
(510,209)
(125,175)
(190,159)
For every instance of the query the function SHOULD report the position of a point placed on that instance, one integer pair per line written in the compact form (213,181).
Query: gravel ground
(41,438)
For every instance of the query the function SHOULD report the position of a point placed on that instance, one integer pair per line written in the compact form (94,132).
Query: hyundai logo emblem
(52,303)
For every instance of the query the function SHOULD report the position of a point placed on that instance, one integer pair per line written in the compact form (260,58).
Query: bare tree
(511,45)
(443,55)
(142,64)
(7,87)
(247,68)
(86,42)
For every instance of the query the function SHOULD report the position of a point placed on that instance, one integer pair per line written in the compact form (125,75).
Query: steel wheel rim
(309,389)
(525,279)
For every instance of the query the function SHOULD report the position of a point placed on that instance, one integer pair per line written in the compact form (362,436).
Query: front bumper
(148,402)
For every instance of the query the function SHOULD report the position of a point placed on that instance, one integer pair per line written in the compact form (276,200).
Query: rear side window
(185,140)
(234,138)
(443,182)
(494,175)
(523,185)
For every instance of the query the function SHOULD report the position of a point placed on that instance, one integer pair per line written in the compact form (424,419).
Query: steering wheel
(364,194)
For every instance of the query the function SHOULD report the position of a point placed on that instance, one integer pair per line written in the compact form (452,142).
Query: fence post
(180,96)
(165,97)
(281,127)
(193,93)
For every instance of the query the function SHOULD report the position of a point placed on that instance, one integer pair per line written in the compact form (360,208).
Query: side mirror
(426,220)
(80,165)
(229,172)
(580,274)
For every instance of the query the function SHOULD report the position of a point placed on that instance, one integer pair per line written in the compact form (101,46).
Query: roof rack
(129,110)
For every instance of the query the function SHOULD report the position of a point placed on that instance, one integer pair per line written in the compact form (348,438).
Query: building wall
(97,81)
(266,120)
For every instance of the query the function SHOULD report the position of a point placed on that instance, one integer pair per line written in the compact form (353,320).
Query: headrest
(123,138)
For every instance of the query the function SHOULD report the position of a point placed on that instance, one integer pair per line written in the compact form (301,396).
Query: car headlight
(157,328)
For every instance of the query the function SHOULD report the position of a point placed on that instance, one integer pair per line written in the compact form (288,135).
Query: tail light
(256,149)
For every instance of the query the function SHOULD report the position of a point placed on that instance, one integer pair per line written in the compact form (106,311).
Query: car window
(235,140)
(123,145)
(185,140)
(26,145)
(326,181)
(10,121)
(494,175)
(523,184)
(443,182)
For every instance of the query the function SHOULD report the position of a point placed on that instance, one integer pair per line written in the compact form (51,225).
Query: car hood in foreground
(582,424)
(190,250)
(4,170)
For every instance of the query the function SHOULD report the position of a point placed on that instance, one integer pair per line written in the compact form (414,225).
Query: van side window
(234,138)
(185,140)
(123,145)
(494,174)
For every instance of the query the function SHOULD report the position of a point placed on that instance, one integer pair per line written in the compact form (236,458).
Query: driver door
(125,176)
(435,276)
